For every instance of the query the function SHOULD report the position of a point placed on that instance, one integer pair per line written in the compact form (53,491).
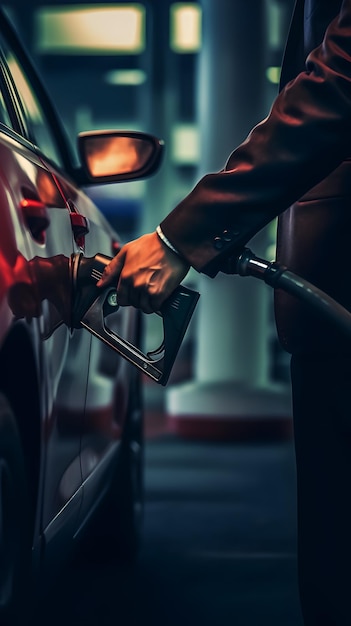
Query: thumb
(112,271)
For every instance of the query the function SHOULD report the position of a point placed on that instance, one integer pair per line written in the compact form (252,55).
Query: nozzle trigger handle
(93,305)
(176,312)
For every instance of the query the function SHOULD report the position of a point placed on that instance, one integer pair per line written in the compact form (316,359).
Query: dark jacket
(297,157)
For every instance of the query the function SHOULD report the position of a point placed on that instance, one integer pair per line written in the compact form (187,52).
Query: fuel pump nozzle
(92,305)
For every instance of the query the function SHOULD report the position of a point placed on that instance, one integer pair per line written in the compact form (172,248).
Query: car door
(109,374)
(46,226)
(93,388)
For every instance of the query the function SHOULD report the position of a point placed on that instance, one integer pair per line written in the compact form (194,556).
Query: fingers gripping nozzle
(85,272)
(92,305)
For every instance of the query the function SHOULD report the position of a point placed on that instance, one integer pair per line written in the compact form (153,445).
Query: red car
(70,408)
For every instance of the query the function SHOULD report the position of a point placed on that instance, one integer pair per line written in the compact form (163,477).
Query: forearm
(306,136)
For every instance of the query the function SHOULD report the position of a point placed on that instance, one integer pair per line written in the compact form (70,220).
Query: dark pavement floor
(219,544)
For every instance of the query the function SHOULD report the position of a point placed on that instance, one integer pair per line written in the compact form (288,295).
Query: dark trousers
(322,427)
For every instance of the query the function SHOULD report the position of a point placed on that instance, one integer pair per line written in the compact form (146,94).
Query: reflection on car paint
(37,280)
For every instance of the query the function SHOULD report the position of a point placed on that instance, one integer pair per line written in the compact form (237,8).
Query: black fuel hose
(280,277)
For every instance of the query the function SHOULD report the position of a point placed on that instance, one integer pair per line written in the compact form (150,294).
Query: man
(298,157)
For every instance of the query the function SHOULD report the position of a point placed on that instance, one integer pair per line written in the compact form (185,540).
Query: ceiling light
(91,30)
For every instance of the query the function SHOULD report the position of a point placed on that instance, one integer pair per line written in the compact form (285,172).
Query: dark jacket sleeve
(306,136)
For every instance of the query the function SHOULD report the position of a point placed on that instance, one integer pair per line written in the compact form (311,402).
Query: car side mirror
(115,156)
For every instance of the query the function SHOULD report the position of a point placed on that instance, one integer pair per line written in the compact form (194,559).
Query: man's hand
(145,273)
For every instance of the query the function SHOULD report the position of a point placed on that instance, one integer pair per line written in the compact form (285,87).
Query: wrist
(165,240)
(175,258)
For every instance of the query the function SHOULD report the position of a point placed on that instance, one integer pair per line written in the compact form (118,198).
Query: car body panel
(24,176)
(69,392)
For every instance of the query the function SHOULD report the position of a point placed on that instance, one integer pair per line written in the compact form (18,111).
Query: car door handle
(80,228)
(80,224)
(36,218)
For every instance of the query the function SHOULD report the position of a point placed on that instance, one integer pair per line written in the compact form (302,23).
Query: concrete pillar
(231,361)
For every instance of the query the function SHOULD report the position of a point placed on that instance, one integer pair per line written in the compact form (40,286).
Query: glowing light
(91,30)
(277,18)
(185,144)
(185,27)
(273,74)
(125,77)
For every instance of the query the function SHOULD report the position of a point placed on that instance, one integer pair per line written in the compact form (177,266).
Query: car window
(4,114)
(36,124)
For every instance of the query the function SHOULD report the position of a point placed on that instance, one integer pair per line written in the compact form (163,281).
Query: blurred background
(199,75)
